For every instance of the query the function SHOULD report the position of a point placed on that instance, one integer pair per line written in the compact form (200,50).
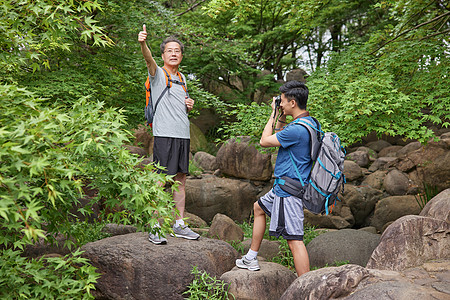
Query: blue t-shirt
(293,137)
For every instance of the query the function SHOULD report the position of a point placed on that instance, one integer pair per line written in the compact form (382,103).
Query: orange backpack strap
(168,78)
(183,84)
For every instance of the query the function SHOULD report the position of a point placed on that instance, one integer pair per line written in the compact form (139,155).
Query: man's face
(286,105)
(172,55)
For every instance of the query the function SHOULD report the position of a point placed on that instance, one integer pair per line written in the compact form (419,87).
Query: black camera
(277,101)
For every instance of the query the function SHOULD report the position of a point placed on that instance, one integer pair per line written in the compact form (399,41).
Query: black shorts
(171,153)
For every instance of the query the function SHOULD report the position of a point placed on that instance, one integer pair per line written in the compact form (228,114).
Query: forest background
(71,90)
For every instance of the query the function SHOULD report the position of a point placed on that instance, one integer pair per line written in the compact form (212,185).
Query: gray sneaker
(184,232)
(157,239)
(244,263)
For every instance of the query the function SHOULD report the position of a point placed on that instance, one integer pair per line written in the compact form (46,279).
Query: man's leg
(249,261)
(259,227)
(301,259)
(179,197)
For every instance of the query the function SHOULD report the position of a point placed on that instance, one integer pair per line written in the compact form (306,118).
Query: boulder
(431,164)
(375,180)
(118,229)
(193,220)
(268,249)
(359,157)
(326,283)
(205,161)
(391,208)
(372,153)
(380,162)
(134,268)
(209,195)
(396,183)
(438,207)
(239,158)
(378,145)
(352,170)
(141,152)
(351,245)
(143,138)
(390,151)
(411,241)
(326,221)
(297,75)
(428,282)
(362,201)
(413,146)
(198,139)
(223,228)
(266,284)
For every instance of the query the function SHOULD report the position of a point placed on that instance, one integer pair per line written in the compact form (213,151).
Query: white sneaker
(251,265)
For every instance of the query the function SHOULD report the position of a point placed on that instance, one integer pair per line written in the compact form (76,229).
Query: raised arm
(151,63)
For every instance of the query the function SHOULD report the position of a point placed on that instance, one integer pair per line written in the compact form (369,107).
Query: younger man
(285,210)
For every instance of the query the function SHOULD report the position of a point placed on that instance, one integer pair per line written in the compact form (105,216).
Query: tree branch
(409,30)
(435,34)
(190,8)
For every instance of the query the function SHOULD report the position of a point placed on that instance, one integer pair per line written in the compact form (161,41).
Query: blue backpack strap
(295,167)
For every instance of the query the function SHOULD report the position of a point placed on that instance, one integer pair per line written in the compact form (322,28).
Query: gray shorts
(286,215)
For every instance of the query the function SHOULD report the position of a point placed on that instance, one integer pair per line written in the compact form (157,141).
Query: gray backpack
(327,174)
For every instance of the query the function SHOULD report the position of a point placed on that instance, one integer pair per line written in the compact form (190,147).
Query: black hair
(296,90)
(169,40)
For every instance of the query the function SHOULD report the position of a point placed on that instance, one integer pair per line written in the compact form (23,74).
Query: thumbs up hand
(142,36)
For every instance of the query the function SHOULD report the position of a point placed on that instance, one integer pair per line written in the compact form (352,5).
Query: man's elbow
(263,143)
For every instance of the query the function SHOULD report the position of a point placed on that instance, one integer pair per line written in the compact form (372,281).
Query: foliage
(194,170)
(30,29)
(86,232)
(69,277)
(48,155)
(205,286)
(428,193)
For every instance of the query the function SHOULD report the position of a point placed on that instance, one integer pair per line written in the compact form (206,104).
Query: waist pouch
(291,186)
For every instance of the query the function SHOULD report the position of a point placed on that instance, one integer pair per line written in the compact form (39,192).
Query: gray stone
(267,284)
(205,161)
(136,150)
(410,241)
(390,151)
(375,180)
(209,195)
(359,157)
(396,183)
(372,153)
(409,148)
(438,207)
(223,228)
(326,283)
(134,268)
(391,208)
(326,221)
(118,229)
(354,246)
(362,201)
(239,158)
(378,145)
(352,170)
(268,249)
(380,162)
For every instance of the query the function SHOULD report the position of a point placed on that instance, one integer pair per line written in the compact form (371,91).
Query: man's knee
(257,209)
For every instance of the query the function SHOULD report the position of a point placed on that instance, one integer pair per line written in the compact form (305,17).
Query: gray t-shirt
(171,116)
